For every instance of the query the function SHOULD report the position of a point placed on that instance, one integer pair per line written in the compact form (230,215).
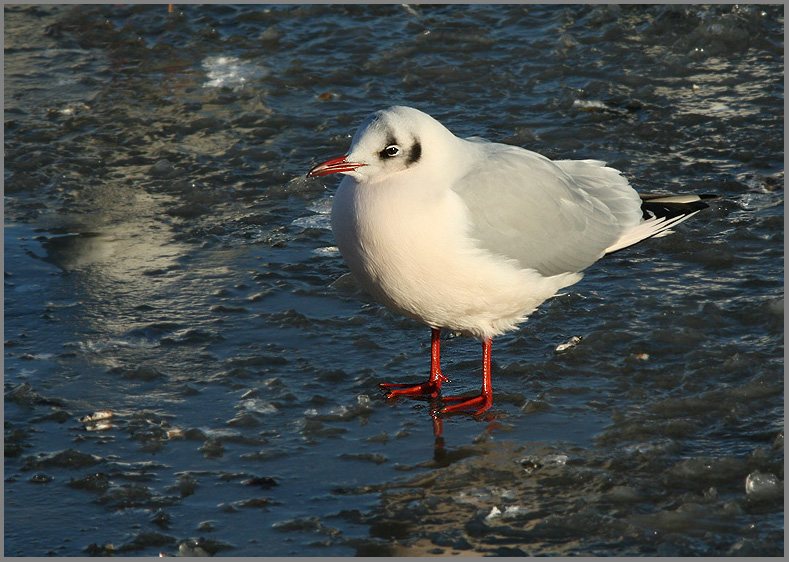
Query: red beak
(338,165)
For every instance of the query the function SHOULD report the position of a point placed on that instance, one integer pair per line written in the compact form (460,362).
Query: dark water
(183,374)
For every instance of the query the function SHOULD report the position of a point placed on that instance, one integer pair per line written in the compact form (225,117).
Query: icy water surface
(184,374)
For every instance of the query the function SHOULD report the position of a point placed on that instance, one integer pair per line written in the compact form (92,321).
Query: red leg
(432,386)
(475,404)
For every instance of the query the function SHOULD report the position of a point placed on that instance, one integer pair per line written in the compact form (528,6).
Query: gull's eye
(390,151)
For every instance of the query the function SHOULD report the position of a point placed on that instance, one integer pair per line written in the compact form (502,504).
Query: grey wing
(552,216)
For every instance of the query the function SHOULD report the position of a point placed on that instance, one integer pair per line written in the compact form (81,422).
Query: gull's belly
(424,266)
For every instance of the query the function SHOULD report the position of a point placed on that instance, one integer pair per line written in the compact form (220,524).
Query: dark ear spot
(415,153)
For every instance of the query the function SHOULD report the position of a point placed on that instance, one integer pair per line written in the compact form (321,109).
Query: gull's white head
(391,141)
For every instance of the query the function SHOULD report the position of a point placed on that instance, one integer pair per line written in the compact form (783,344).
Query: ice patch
(763,485)
(495,513)
(595,106)
(484,494)
(569,344)
(258,406)
(327,251)
(313,221)
(97,347)
(322,217)
(230,72)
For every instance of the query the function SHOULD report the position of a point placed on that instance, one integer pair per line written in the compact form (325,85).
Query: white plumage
(470,235)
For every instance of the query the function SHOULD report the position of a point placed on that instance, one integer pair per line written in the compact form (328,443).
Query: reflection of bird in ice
(473,236)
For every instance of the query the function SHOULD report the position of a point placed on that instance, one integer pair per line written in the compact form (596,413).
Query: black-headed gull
(472,236)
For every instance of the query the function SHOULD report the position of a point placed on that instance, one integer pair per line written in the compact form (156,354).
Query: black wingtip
(669,206)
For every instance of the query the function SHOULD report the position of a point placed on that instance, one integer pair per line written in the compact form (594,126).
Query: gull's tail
(661,212)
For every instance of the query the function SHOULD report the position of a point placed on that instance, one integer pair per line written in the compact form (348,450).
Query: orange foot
(431,388)
(472,405)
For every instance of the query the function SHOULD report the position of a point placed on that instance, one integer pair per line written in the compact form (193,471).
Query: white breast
(408,246)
